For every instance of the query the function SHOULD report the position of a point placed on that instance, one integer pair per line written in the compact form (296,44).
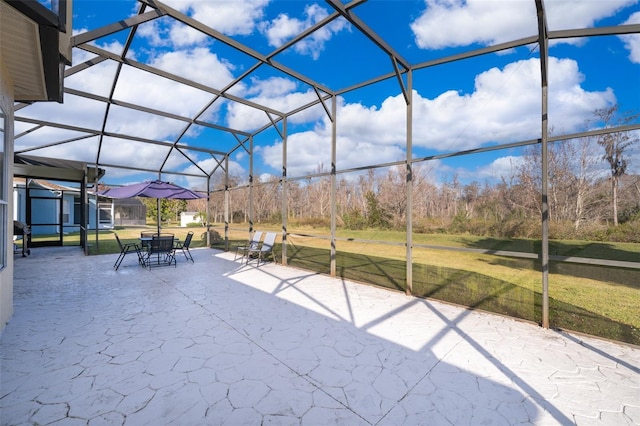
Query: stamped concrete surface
(219,342)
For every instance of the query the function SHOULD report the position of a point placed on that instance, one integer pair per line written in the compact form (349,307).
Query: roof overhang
(30,45)
(51,168)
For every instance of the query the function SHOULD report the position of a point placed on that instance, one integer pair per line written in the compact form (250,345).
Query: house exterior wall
(6,273)
(43,211)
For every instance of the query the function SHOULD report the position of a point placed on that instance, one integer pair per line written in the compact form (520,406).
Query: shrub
(313,222)
(628,232)
(213,236)
(428,226)
(354,220)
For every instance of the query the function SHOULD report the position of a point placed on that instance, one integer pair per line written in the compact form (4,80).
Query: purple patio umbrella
(152,189)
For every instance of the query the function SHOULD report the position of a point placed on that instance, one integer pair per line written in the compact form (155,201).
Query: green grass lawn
(107,243)
(597,300)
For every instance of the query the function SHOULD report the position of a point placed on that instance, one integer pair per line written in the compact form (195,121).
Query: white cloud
(267,177)
(276,93)
(460,23)
(283,28)
(303,156)
(183,36)
(504,107)
(385,125)
(75,111)
(208,165)
(137,87)
(632,41)
(356,153)
(85,149)
(155,32)
(231,17)
(145,89)
(198,64)
(117,176)
(564,14)
(149,126)
(145,156)
(272,87)
(503,167)
(117,48)
(97,79)
(241,155)
(356,144)
(310,151)
(447,23)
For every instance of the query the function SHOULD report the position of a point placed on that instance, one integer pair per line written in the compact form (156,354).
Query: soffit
(21,54)
(54,168)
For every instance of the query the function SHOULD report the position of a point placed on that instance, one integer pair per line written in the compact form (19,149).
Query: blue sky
(489,100)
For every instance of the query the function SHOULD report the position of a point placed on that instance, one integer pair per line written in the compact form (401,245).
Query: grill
(21,229)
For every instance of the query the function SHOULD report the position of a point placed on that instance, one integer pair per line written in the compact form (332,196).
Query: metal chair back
(265,249)
(187,240)
(125,249)
(184,246)
(161,248)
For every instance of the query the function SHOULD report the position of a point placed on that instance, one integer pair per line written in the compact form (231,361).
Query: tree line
(591,195)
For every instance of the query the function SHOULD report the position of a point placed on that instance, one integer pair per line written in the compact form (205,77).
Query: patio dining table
(164,253)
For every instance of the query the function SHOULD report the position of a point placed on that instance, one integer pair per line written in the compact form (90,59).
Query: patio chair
(184,246)
(145,237)
(252,244)
(266,248)
(125,249)
(161,251)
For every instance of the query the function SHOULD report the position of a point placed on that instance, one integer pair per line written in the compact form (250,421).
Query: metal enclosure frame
(401,70)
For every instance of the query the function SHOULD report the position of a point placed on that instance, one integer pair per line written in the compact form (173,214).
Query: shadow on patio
(220,342)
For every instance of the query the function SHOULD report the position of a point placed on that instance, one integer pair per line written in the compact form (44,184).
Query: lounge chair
(252,244)
(265,249)
(125,249)
(184,246)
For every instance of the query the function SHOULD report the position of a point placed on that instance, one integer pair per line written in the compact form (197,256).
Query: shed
(189,217)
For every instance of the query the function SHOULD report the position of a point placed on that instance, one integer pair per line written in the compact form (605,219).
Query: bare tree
(319,193)
(392,194)
(614,145)
(265,199)
(470,196)
(425,193)
(524,190)
(585,174)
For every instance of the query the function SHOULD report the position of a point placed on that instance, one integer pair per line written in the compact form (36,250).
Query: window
(105,214)
(76,211)
(65,212)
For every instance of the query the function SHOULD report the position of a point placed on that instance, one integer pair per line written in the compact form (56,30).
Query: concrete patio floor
(220,342)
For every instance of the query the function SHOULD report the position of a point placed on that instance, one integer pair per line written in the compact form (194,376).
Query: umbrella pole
(158,208)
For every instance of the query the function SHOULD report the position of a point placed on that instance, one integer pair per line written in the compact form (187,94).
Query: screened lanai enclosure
(480,153)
